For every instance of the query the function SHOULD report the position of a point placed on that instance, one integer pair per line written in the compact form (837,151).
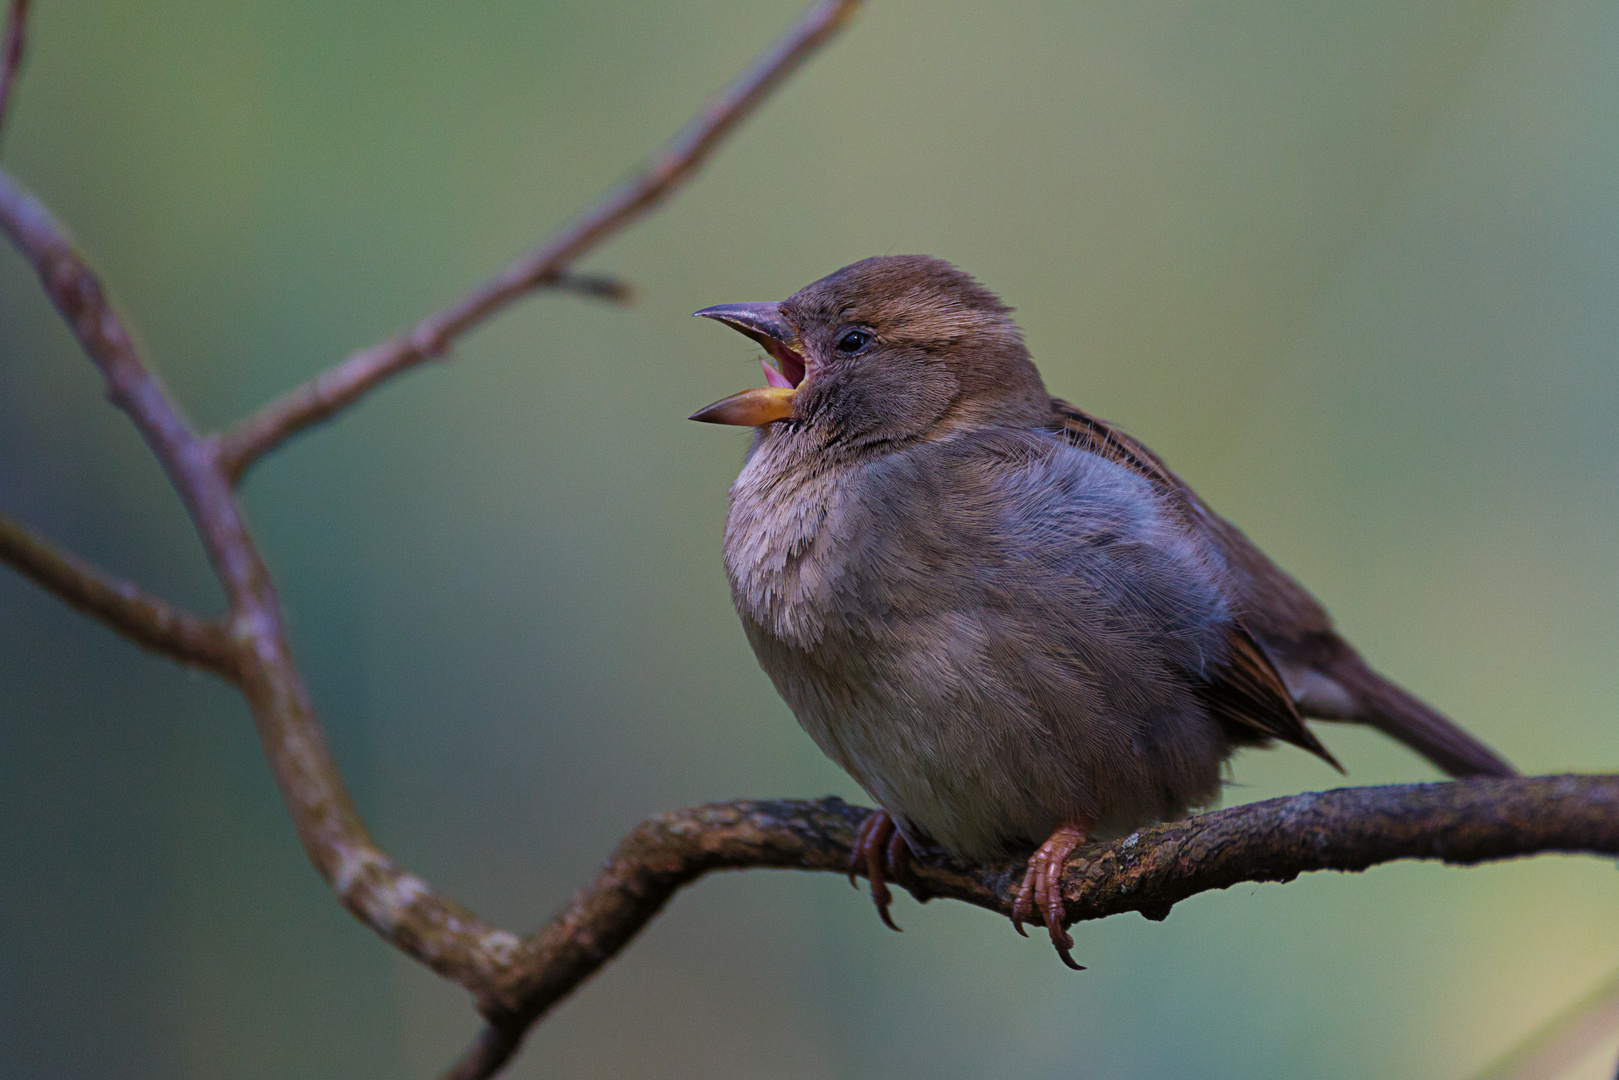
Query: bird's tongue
(774,377)
(789,369)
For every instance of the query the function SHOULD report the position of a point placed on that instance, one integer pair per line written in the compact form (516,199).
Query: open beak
(755,408)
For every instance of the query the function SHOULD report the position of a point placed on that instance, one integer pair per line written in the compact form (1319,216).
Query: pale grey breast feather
(1081,550)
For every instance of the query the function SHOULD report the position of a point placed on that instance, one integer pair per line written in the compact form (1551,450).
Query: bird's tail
(1397,714)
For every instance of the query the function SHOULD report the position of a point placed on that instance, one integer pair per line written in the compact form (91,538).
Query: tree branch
(516,981)
(122,605)
(1460,822)
(341,386)
(11,47)
(312,787)
(397,905)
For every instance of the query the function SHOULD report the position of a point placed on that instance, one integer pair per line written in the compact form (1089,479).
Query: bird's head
(885,350)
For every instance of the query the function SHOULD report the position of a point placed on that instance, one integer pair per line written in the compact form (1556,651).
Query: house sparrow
(1005,618)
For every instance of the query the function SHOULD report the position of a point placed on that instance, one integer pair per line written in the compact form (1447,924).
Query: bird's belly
(962,756)
(971,779)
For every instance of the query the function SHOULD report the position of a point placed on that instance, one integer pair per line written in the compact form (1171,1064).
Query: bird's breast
(782,551)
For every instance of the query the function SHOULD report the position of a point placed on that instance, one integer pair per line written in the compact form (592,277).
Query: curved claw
(1041,889)
(862,839)
(882,897)
(1066,956)
(882,849)
(1061,939)
(898,855)
(1023,906)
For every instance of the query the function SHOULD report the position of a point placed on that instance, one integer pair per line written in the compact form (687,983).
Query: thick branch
(399,906)
(11,47)
(122,605)
(1462,822)
(344,384)
(322,811)
(368,882)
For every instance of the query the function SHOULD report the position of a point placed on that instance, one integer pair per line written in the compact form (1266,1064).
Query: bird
(1004,617)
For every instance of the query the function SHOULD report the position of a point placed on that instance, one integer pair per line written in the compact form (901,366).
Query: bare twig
(399,906)
(344,384)
(11,47)
(139,616)
(292,738)
(435,931)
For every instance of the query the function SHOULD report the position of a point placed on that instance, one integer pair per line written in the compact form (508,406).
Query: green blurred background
(1352,268)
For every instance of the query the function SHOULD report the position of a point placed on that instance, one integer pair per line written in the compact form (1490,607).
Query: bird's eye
(854,341)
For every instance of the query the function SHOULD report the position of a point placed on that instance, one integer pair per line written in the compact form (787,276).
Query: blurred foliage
(1351,268)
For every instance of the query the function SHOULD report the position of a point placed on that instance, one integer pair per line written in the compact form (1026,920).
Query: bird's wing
(1290,628)
(1277,608)
(1246,694)
(1252,703)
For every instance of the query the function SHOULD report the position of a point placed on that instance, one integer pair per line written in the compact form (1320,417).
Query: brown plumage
(1008,620)
(1325,676)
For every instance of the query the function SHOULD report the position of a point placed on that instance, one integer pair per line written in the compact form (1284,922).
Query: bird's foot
(1042,888)
(882,850)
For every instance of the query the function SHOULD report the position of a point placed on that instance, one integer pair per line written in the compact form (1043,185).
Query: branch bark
(203,469)
(1460,822)
(122,605)
(328,825)
(341,386)
(78,295)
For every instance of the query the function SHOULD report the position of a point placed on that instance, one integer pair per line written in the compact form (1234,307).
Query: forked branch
(426,926)
(679,158)
(516,980)
(143,618)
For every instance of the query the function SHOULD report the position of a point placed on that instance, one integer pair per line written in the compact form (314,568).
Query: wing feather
(1282,624)
(1246,694)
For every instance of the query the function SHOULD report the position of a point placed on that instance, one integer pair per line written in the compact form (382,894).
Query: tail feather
(1399,715)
